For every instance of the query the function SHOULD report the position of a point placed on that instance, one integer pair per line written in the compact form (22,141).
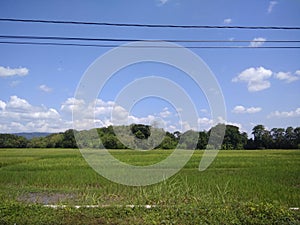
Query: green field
(240,187)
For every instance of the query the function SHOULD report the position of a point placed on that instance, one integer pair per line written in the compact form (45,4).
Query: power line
(105,45)
(137,46)
(134,40)
(148,25)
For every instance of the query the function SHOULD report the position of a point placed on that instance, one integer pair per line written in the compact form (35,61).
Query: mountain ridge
(30,135)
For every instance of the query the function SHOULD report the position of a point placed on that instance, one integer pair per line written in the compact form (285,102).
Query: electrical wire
(147,25)
(135,40)
(137,46)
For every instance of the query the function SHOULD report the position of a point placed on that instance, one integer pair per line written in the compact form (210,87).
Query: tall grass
(246,175)
(246,178)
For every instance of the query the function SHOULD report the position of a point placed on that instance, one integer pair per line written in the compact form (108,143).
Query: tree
(69,139)
(107,130)
(289,138)
(250,144)
(278,137)
(141,131)
(232,138)
(55,140)
(243,141)
(110,141)
(177,134)
(216,135)
(168,143)
(297,137)
(139,135)
(146,137)
(202,140)
(188,140)
(12,141)
(259,132)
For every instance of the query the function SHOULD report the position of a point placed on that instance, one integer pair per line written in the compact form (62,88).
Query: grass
(240,187)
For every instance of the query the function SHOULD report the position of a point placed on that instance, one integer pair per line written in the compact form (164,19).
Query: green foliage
(205,213)
(69,139)
(276,138)
(60,140)
(168,143)
(12,141)
(111,142)
(140,131)
(202,140)
(139,136)
(188,140)
(233,139)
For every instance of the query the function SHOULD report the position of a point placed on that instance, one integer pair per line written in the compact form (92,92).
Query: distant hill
(31,135)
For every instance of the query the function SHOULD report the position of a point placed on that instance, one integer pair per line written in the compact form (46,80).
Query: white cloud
(239,109)
(185,126)
(97,107)
(165,113)
(205,123)
(72,104)
(101,107)
(47,114)
(203,110)
(172,128)
(271,6)
(242,109)
(253,109)
(15,83)
(100,113)
(8,72)
(45,88)
(2,105)
(227,21)
(18,103)
(149,120)
(256,78)
(18,115)
(162,2)
(285,114)
(287,76)
(257,42)
(120,115)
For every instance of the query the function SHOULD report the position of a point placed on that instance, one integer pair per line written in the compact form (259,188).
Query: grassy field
(240,187)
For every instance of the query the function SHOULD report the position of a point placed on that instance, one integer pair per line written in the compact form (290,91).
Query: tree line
(276,138)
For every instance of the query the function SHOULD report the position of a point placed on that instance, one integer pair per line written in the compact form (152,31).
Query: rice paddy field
(57,186)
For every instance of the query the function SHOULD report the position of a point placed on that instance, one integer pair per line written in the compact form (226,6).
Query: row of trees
(59,140)
(276,138)
(146,137)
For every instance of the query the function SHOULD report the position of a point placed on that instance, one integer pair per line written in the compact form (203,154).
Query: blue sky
(260,86)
